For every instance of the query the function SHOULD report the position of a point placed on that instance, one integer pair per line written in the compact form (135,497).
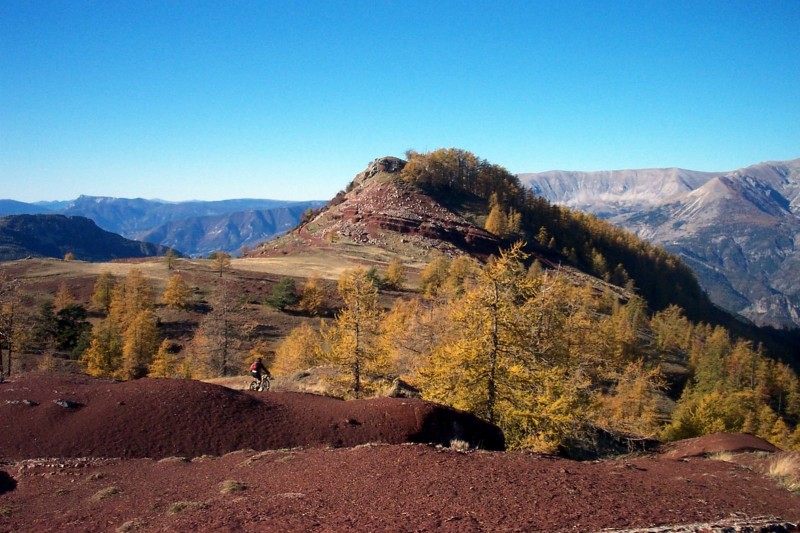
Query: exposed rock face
(739,231)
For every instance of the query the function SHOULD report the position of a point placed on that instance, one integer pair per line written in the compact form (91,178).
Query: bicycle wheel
(264,385)
(254,385)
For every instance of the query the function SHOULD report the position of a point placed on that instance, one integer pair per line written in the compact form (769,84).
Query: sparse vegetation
(785,468)
(183,506)
(230,486)
(105,493)
(459,445)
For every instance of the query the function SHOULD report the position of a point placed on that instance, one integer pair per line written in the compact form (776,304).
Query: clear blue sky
(289,100)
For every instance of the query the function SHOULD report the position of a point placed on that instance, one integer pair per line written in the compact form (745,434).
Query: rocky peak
(388,165)
(378,212)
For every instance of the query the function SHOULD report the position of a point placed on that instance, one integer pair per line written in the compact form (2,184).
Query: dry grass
(722,456)
(102,494)
(230,486)
(786,471)
(459,445)
(175,459)
(179,507)
(131,525)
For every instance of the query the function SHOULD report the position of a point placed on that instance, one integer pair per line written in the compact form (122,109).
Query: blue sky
(289,100)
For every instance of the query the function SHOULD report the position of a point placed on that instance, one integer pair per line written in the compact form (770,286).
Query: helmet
(259,359)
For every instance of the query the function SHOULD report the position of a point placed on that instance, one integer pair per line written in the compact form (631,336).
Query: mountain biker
(257,370)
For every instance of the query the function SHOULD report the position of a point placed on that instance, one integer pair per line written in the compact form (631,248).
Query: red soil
(320,487)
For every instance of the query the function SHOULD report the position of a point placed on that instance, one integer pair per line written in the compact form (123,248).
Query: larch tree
(104,291)
(301,349)
(63,297)
(352,338)
(140,345)
(497,222)
(177,293)
(508,357)
(313,296)
(396,273)
(220,262)
(217,339)
(163,364)
(104,355)
(132,295)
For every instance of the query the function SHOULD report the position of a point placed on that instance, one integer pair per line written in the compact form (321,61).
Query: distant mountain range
(739,231)
(194,228)
(57,235)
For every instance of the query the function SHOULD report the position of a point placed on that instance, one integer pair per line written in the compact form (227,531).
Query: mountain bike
(261,385)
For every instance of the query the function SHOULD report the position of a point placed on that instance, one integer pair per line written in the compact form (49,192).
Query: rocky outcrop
(380,210)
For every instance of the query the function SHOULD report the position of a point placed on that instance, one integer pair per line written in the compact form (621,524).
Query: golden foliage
(177,293)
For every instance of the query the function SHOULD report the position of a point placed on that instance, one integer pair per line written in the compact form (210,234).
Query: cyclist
(259,371)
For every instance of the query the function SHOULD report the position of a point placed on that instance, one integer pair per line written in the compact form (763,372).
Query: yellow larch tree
(352,337)
(177,293)
(163,364)
(63,297)
(396,273)
(104,291)
(104,355)
(140,345)
(301,349)
(313,296)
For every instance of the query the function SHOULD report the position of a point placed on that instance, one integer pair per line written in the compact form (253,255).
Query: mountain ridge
(52,235)
(739,230)
(142,219)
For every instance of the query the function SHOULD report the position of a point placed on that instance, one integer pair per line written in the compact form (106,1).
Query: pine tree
(283,294)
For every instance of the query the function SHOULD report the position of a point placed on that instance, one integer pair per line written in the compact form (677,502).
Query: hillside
(419,214)
(736,230)
(56,235)
(377,212)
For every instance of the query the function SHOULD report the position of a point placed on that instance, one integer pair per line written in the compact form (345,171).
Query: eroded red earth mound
(45,415)
(313,475)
